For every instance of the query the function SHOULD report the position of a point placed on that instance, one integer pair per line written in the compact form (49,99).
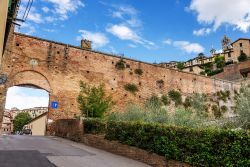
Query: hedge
(206,147)
(94,126)
(198,147)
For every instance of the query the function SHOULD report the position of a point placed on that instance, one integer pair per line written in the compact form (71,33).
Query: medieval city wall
(58,68)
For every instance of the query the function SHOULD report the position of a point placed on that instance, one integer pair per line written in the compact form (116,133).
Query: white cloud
(167,41)
(188,46)
(45,9)
(132,45)
(26,29)
(219,12)
(64,7)
(98,39)
(202,32)
(16,97)
(125,33)
(33,15)
(50,19)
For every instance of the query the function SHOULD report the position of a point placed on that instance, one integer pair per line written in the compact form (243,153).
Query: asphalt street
(32,151)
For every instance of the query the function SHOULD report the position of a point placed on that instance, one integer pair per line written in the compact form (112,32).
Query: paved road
(31,151)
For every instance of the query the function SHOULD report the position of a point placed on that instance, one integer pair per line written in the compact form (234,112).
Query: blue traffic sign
(54,104)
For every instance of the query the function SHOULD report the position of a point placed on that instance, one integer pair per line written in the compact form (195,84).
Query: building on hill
(38,125)
(230,50)
(241,45)
(36,111)
(7,125)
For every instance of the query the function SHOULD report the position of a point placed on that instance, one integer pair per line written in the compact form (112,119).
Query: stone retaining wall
(73,129)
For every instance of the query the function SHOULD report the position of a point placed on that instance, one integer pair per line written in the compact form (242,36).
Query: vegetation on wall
(120,65)
(20,120)
(131,88)
(175,96)
(93,101)
(160,83)
(138,71)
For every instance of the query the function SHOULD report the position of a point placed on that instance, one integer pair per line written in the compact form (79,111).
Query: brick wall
(232,72)
(58,68)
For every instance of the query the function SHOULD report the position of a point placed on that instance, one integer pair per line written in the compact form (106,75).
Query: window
(229,54)
(241,45)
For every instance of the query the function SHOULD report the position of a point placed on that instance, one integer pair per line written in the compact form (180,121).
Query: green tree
(93,101)
(20,120)
(180,66)
(242,57)
(219,61)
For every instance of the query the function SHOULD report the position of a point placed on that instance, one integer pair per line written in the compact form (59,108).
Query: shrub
(207,147)
(165,99)
(138,71)
(242,57)
(214,72)
(120,65)
(175,96)
(180,66)
(131,88)
(198,103)
(216,111)
(219,61)
(187,102)
(223,109)
(242,107)
(94,126)
(93,101)
(202,73)
(153,102)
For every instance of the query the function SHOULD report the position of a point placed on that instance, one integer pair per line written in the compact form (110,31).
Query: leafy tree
(219,61)
(180,66)
(93,101)
(20,120)
(242,57)
(200,54)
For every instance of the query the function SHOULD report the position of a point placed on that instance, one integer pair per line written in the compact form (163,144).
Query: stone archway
(27,78)
(30,78)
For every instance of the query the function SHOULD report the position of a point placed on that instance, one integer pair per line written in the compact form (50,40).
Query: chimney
(86,44)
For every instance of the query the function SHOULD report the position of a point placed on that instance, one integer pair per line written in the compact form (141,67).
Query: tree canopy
(20,120)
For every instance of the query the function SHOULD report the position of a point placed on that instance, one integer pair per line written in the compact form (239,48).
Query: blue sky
(151,31)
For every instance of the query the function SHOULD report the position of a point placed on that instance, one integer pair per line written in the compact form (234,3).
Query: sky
(151,31)
(23,98)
